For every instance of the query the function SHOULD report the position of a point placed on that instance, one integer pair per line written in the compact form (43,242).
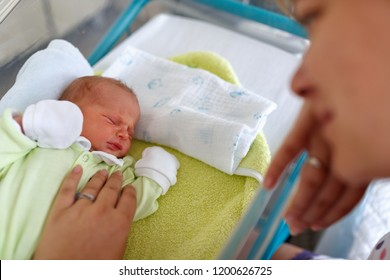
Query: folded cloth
(45,75)
(192,110)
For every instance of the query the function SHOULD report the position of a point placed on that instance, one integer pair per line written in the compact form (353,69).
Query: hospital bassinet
(175,32)
(204,237)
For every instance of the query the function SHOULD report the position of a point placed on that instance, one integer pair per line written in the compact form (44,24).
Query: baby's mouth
(115,146)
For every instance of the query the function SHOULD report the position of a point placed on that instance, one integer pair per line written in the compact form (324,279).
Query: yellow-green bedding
(197,215)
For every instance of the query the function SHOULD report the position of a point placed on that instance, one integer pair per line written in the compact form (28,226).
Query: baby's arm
(48,123)
(14,145)
(147,193)
(156,172)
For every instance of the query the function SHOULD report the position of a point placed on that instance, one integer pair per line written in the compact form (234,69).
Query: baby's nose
(123,133)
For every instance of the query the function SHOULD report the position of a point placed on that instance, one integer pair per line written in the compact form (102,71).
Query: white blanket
(192,110)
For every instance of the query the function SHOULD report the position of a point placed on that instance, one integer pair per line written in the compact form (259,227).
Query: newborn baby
(91,125)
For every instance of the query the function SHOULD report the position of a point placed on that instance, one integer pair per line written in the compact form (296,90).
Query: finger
(93,186)
(65,196)
(110,192)
(346,202)
(311,181)
(310,185)
(128,201)
(295,142)
(324,201)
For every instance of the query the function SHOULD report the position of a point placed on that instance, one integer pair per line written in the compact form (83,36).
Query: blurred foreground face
(345,78)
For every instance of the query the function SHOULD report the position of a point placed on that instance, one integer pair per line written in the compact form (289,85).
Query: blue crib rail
(262,230)
(124,21)
(254,13)
(257,14)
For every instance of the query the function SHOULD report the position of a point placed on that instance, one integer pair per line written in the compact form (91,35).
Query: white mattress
(260,67)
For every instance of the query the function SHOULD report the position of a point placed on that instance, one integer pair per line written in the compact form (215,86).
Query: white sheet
(259,66)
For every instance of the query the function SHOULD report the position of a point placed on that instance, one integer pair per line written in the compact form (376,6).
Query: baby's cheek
(127,150)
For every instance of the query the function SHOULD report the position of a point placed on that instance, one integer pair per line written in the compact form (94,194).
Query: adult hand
(321,197)
(85,229)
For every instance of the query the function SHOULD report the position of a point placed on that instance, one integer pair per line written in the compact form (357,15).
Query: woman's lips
(325,117)
(325,120)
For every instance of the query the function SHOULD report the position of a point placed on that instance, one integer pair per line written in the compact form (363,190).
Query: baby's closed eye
(111,120)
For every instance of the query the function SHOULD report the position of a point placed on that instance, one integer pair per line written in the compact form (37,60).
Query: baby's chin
(118,154)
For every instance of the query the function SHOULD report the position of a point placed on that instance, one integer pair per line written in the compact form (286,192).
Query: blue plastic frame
(282,231)
(128,16)
(258,223)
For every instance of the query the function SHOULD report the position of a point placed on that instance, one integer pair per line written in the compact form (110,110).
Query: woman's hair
(286,7)
(80,87)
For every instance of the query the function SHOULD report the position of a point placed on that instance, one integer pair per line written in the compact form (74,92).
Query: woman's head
(345,78)
(110,111)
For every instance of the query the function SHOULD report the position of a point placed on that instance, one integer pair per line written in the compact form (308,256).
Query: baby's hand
(158,165)
(52,123)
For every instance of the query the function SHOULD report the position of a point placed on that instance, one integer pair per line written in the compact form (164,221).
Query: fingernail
(295,230)
(268,182)
(316,227)
(289,218)
(77,169)
(294,226)
(104,172)
(119,173)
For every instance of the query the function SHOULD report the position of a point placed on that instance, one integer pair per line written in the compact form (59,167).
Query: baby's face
(110,120)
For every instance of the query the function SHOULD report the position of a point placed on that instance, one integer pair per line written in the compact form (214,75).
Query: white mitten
(158,165)
(53,123)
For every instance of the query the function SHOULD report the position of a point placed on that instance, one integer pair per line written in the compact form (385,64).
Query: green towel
(197,215)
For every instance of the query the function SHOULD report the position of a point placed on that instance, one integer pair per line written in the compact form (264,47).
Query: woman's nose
(301,83)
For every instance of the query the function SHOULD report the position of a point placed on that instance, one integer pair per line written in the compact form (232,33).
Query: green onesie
(29,180)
